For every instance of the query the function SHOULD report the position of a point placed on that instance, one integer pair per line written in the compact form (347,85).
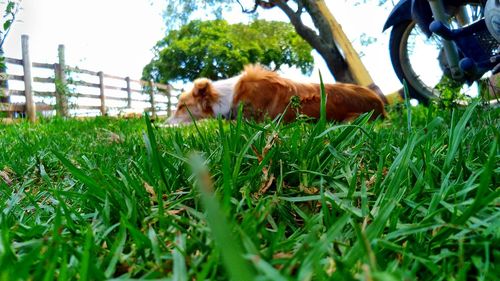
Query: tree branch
(244,10)
(304,31)
(319,21)
(300,8)
(13,15)
(322,42)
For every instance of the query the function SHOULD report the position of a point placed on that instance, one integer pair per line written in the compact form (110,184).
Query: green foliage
(178,12)
(9,16)
(216,49)
(107,198)
(450,93)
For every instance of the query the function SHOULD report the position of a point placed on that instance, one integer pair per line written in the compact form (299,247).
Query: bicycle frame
(424,12)
(450,49)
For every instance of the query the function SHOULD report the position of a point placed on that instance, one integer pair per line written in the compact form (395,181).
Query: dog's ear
(200,87)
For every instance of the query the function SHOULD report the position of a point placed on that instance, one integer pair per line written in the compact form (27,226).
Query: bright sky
(116,36)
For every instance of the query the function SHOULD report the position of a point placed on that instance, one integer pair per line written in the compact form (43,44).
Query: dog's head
(195,104)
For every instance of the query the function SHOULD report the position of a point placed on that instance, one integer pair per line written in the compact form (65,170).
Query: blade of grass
(457,135)
(180,271)
(320,247)
(408,106)
(86,255)
(230,247)
(267,270)
(322,116)
(152,148)
(195,124)
(389,200)
(481,200)
(116,251)
(153,238)
(95,189)
(226,167)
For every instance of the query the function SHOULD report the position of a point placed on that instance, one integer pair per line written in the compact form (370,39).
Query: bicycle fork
(450,49)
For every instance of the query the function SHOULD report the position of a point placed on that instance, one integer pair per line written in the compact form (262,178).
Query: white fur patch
(225,90)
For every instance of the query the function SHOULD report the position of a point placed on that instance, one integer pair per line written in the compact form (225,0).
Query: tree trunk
(345,66)
(323,42)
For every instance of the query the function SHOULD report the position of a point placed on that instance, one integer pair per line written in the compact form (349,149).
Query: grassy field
(415,197)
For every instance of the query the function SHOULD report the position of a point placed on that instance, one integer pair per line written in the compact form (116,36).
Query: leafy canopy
(218,50)
(10,9)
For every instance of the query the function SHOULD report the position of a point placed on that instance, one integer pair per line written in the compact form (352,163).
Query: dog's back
(348,101)
(264,92)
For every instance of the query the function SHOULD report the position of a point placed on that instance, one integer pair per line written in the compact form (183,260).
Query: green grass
(401,199)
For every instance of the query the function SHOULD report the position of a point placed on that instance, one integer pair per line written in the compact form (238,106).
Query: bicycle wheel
(420,60)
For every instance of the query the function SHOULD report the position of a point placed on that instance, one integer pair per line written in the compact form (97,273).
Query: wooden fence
(74,94)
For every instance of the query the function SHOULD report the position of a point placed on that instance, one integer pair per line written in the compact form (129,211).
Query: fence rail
(72,84)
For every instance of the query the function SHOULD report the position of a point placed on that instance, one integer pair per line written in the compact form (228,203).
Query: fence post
(4,91)
(129,93)
(101,93)
(169,100)
(61,93)
(152,98)
(28,79)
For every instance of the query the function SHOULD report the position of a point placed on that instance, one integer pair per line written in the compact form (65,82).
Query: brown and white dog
(264,93)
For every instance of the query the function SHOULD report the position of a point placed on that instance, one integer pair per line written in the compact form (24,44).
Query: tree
(322,37)
(9,16)
(216,50)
